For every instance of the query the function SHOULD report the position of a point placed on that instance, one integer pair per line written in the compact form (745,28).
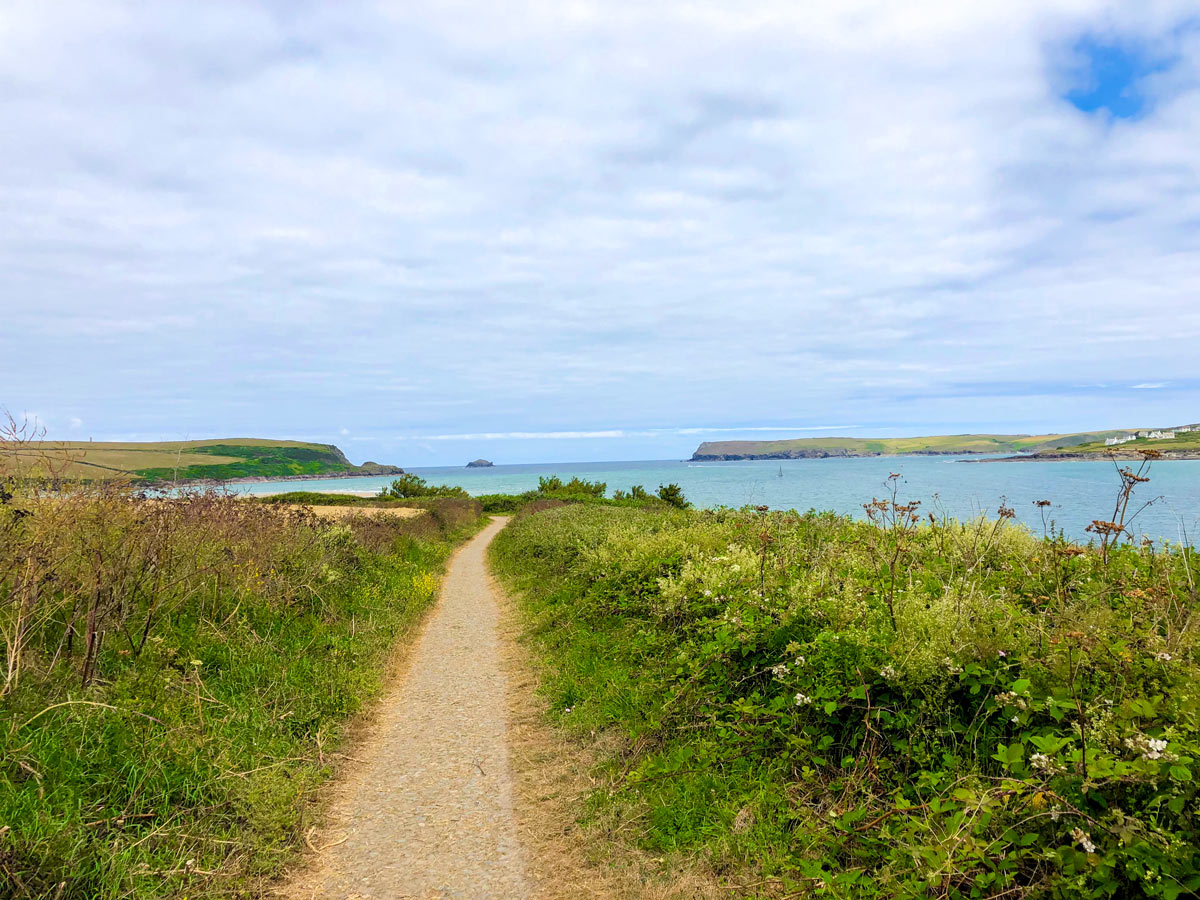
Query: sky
(557,231)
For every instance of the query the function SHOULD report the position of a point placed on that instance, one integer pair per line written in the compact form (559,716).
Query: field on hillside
(848,446)
(216,460)
(1181,443)
(900,708)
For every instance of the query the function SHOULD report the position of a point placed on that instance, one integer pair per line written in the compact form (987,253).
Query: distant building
(1114,441)
(1161,435)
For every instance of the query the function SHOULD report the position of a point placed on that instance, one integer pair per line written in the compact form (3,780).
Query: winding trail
(428,813)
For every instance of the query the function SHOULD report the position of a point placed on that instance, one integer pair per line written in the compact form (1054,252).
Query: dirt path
(428,812)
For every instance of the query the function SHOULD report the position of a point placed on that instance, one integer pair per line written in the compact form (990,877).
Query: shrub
(1024,720)
(554,487)
(409,486)
(673,494)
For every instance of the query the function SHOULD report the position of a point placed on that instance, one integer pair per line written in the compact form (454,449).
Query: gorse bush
(553,489)
(410,486)
(893,709)
(173,674)
(673,494)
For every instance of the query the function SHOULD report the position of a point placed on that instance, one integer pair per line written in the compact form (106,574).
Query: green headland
(225,459)
(1184,443)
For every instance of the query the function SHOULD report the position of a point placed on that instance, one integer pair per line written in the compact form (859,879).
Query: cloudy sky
(549,231)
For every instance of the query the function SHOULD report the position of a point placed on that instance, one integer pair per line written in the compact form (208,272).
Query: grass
(810,705)
(962,443)
(175,675)
(1184,442)
(151,463)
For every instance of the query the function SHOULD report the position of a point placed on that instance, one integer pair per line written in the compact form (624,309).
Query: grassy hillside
(1188,443)
(218,460)
(936,444)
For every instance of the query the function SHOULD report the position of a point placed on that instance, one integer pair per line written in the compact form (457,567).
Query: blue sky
(568,231)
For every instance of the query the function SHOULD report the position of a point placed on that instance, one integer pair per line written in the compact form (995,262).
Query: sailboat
(781,471)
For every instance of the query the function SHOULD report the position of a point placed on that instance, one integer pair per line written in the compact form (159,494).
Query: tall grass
(900,708)
(175,673)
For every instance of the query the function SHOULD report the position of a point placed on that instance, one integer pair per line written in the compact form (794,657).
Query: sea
(962,487)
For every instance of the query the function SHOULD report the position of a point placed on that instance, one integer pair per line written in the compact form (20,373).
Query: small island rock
(479,464)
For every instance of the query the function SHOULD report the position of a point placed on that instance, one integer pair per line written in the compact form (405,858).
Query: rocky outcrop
(374,468)
(479,464)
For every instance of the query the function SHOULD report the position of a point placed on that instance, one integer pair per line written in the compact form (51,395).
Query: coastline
(1167,456)
(259,479)
(827,454)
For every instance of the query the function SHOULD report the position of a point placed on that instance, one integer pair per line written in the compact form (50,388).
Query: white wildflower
(1149,748)
(1084,839)
(708,593)
(1043,763)
(779,670)
(799,661)
(803,700)
(1163,656)
(888,672)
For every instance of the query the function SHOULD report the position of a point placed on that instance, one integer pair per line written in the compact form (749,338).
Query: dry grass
(341,513)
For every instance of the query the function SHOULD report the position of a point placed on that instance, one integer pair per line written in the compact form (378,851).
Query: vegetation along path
(428,813)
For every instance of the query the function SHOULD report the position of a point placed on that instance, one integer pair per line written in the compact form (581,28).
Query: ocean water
(1079,491)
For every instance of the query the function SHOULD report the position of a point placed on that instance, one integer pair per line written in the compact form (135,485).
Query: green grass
(1185,442)
(960,443)
(188,767)
(762,711)
(151,463)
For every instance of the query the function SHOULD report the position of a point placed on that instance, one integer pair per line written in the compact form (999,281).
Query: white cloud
(476,222)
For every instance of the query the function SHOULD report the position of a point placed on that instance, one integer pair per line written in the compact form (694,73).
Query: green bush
(673,494)
(409,486)
(553,488)
(1022,721)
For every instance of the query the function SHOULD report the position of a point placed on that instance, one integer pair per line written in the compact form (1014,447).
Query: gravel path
(428,813)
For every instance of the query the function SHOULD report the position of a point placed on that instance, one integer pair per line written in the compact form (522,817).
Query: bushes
(174,674)
(1028,726)
(409,485)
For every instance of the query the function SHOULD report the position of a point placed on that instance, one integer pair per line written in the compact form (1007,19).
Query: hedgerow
(876,709)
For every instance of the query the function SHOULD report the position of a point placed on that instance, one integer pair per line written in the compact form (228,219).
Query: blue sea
(962,486)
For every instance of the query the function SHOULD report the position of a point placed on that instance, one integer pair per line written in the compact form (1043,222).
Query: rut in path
(429,812)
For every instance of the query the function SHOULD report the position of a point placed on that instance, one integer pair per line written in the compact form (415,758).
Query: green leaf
(830,707)
(1181,773)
